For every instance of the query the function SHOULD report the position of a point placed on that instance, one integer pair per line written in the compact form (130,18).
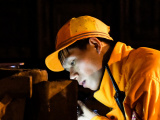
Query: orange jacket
(137,73)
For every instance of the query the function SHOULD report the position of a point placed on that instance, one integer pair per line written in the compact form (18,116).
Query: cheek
(87,67)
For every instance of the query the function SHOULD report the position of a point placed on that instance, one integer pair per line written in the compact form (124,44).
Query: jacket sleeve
(142,97)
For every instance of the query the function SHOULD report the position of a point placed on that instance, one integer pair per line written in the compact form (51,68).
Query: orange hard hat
(76,29)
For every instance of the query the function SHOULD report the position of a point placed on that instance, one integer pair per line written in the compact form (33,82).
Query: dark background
(28,28)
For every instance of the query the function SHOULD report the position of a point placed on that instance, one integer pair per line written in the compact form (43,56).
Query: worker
(84,48)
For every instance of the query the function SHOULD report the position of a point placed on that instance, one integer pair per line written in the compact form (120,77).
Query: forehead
(66,54)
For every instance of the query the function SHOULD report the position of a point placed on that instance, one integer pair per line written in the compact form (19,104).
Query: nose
(74,75)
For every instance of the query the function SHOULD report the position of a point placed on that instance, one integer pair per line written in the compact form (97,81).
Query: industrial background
(28,28)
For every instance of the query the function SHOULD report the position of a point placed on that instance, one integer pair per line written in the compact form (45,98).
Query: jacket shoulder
(144,61)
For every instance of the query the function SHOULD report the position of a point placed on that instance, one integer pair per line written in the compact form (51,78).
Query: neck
(107,54)
(108,50)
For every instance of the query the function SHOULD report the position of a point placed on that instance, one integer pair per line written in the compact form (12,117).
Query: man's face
(85,66)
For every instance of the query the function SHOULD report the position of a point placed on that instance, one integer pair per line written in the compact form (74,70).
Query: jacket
(137,73)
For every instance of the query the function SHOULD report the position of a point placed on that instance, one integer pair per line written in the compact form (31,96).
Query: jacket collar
(120,51)
(106,92)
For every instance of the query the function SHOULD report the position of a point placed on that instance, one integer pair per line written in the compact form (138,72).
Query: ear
(96,43)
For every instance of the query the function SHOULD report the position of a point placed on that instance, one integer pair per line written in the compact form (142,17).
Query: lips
(82,83)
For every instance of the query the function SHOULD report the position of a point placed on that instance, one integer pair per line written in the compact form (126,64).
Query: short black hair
(81,44)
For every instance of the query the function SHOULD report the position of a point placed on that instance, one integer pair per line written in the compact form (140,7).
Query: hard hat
(76,29)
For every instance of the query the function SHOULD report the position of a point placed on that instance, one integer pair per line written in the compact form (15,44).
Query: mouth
(83,83)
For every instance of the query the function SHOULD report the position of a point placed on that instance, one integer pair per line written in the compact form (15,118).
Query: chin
(94,88)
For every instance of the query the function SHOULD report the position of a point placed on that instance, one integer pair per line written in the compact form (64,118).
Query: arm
(142,97)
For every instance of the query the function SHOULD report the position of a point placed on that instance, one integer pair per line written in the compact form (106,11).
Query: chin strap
(119,95)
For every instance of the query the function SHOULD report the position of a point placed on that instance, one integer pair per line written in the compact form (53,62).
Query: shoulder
(145,55)
(144,61)
(142,67)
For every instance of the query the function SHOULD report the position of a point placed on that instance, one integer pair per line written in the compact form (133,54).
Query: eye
(72,62)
